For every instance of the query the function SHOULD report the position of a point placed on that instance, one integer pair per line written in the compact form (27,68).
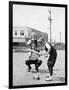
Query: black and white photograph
(38,44)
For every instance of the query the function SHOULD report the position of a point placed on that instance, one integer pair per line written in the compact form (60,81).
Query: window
(15,33)
(21,32)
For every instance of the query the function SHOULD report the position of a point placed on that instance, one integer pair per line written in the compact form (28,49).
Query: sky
(37,17)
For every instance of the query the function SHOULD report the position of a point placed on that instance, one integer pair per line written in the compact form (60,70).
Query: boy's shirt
(33,56)
(48,47)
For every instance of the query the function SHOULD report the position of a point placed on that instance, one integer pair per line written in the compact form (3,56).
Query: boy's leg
(50,67)
(37,64)
(50,64)
(28,63)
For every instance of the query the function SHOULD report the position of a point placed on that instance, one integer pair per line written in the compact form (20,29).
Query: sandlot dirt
(22,77)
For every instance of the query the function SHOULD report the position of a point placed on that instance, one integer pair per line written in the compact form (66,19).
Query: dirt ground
(22,77)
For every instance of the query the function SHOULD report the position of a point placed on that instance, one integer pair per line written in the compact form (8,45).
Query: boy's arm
(30,50)
(34,51)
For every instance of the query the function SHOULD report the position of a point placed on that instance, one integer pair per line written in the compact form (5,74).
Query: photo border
(11,3)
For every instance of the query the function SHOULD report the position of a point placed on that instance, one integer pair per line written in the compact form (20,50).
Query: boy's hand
(45,54)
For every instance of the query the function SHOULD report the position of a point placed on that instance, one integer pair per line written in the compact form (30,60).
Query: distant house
(20,34)
(59,46)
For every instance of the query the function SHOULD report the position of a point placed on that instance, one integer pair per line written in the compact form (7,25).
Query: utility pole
(60,37)
(50,20)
